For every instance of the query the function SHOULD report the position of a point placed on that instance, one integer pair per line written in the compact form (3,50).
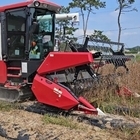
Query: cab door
(16,31)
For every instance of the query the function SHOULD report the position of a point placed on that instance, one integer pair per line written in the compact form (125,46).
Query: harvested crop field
(22,125)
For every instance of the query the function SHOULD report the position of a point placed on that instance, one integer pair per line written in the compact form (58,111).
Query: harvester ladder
(13,72)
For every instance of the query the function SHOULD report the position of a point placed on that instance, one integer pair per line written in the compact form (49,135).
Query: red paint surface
(57,61)
(26,3)
(124,91)
(43,89)
(89,109)
(3,72)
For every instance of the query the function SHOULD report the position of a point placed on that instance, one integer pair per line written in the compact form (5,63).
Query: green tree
(99,35)
(86,8)
(64,28)
(124,6)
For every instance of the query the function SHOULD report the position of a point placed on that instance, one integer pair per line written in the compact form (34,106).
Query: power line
(131,28)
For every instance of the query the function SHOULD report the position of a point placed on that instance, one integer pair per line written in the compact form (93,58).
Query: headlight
(36,3)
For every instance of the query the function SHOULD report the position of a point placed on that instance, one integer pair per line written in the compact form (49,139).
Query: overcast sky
(106,20)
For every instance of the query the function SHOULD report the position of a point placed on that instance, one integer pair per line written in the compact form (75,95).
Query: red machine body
(51,93)
(24,68)
(57,61)
(3,72)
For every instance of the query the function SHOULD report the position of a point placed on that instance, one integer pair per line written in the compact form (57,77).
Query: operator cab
(28,29)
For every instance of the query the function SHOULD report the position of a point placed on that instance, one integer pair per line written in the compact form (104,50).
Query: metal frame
(105,42)
(3,34)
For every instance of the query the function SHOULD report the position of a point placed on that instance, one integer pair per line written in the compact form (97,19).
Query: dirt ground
(15,121)
(23,125)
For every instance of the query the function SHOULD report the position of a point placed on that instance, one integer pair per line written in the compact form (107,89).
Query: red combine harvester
(28,64)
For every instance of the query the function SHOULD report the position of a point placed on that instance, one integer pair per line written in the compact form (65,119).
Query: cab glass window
(43,42)
(16,20)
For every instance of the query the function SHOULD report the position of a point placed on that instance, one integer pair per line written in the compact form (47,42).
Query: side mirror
(34,28)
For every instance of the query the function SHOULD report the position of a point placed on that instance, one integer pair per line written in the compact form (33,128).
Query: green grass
(60,120)
(127,105)
(110,102)
(4,106)
(138,57)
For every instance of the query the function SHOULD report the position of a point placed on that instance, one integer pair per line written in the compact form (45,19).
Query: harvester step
(14,68)
(13,75)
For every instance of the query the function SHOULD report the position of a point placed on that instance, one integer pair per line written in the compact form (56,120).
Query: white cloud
(127,37)
(114,14)
(79,32)
(108,33)
(129,33)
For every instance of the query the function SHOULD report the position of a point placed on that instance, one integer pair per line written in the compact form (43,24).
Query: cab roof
(28,3)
